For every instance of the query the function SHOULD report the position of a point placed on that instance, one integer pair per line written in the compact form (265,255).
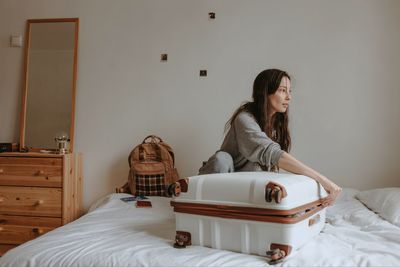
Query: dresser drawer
(19,229)
(31,171)
(5,247)
(31,161)
(34,201)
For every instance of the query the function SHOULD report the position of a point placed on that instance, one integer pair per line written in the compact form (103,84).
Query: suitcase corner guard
(274,191)
(182,239)
(184,182)
(278,252)
(177,187)
(173,189)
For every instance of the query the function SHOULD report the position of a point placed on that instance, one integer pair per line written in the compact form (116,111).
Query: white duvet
(115,233)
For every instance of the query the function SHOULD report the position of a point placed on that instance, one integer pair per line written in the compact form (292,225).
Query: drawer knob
(1,171)
(39,202)
(38,231)
(40,172)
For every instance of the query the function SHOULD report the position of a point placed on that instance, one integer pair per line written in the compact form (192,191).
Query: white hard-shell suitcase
(264,213)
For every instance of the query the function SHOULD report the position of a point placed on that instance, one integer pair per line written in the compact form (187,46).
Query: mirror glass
(49,92)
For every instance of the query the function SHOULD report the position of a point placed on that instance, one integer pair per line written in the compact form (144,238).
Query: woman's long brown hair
(265,84)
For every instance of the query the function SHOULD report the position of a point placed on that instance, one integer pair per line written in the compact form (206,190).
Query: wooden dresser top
(31,154)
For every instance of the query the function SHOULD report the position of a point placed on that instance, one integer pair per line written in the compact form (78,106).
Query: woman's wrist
(291,164)
(324,181)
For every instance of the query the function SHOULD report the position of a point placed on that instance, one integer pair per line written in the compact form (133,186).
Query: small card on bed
(134,198)
(143,204)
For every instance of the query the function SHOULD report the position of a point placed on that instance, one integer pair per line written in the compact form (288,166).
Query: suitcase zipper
(244,213)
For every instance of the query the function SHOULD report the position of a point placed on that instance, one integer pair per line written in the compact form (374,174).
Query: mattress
(116,233)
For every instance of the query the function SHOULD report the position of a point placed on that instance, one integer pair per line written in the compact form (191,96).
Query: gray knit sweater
(249,146)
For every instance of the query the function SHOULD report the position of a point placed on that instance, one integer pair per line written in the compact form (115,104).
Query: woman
(257,135)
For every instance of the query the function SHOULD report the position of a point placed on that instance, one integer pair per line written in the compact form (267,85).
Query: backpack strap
(134,156)
(169,149)
(131,182)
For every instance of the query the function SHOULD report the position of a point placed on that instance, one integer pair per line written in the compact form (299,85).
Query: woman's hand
(333,190)
(291,164)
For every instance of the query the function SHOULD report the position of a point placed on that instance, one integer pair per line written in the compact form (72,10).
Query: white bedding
(115,233)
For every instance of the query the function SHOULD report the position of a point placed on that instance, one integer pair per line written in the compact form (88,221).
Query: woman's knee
(220,162)
(223,158)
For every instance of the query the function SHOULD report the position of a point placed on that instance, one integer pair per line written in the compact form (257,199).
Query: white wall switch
(16,41)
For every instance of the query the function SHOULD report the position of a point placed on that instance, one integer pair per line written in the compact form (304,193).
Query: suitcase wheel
(275,255)
(181,240)
(177,190)
(179,244)
(174,189)
(272,253)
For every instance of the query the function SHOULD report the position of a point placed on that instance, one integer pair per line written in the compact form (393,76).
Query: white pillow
(384,201)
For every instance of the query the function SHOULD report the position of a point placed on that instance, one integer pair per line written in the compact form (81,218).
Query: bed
(116,233)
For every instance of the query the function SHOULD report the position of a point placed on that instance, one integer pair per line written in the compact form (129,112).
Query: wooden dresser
(38,192)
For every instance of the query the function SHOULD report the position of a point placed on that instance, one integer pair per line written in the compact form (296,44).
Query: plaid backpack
(152,168)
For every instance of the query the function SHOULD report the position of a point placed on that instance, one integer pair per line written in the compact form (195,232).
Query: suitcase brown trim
(250,210)
(248,213)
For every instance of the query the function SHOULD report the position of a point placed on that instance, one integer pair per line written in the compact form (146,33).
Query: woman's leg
(220,162)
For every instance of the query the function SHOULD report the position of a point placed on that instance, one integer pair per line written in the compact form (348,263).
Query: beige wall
(343,55)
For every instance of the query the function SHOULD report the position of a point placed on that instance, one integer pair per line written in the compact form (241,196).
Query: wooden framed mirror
(48,99)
